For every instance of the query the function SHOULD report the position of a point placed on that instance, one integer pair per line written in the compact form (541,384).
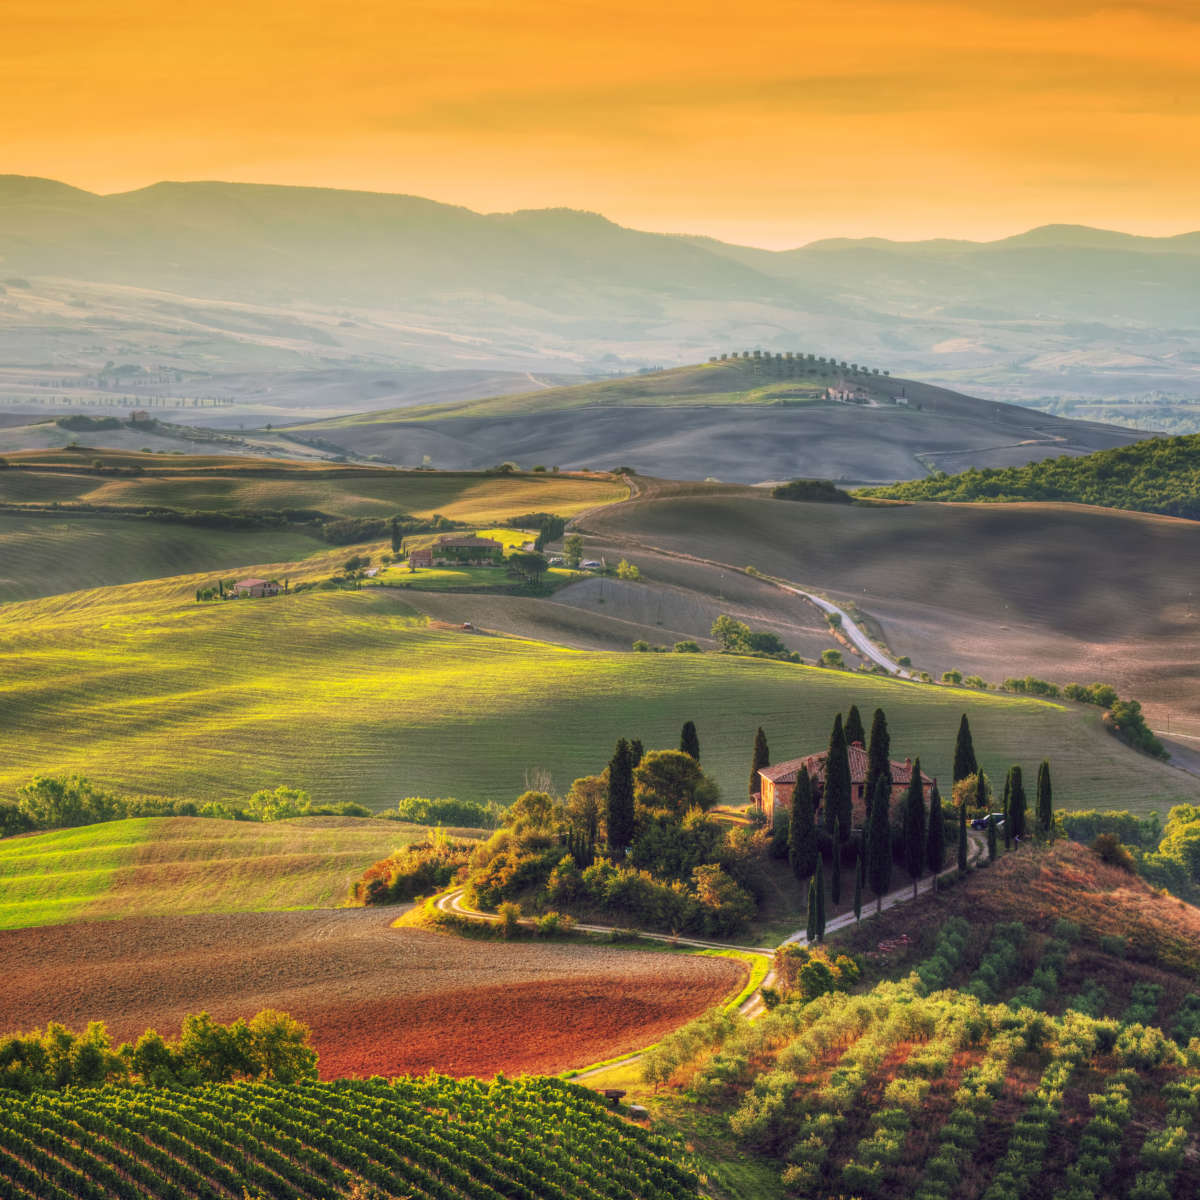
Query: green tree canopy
(672,781)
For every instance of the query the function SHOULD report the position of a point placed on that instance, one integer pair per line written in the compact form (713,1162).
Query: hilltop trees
(838,798)
(689,741)
(879,841)
(802,832)
(915,848)
(761,757)
(620,801)
(965,763)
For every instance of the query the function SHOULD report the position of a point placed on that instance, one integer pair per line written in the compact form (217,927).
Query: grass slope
(1059,591)
(352,696)
(161,866)
(221,484)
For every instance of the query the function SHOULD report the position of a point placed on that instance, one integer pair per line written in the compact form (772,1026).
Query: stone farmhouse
(256,587)
(452,550)
(777,783)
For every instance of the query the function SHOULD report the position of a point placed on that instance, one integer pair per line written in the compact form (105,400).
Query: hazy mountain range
(217,277)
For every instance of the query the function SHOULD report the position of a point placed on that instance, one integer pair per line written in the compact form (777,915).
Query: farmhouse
(256,587)
(421,557)
(776,784)
(469,551)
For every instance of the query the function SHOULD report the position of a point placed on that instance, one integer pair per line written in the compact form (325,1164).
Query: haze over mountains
(235,279)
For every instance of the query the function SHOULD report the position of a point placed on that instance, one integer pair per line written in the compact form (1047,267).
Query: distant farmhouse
(776,784)
(256,587)
(467,551)
(422,557)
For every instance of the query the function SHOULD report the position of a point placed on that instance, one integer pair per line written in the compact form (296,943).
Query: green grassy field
(351,695)
(227,484)
(153,866)
(41,556)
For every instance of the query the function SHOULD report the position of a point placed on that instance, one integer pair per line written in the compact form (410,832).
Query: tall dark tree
(835,865)
(935,847)
(1004,810)
(991,837)
(802,832)
(838,797)
(1017,806)
(810,927)
(689,742)
(636,752)
(879,754)
(620,801)
(1045,800)
(858,886)
(759,759)
(915,848)
(397,540)
(965,763)
(854,730)
(879,842)
(962,839)
(816,902)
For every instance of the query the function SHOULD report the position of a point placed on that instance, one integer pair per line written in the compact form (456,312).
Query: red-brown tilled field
(379,1000)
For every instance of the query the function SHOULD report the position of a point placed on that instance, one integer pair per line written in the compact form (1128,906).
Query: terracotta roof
(787,772)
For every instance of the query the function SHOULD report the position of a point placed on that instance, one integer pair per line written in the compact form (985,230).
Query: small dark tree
(760,758)
(397,540)
(1045,800)
(1017,806)
(689,742)
(879,754)
(935,853)
(838,798)
(858,887)
(879,842)
(915,848)
(962,839)
(854,731)
(818,883)
(991,838)
(620,801)
(964,752)
(810,927)
(835,864)
(802,832)
(1004,810)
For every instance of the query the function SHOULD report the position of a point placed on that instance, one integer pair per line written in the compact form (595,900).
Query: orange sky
(771,121)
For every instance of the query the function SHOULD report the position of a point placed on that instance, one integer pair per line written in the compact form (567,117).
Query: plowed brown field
(379,1000)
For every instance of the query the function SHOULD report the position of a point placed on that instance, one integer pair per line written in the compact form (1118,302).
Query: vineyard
(425,1138)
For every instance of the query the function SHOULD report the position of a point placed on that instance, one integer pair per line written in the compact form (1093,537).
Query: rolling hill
(990,589)
(217,278)
(352,695)
(740,420)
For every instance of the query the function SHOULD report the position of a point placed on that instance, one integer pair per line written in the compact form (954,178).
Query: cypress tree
(839,811)
(397,541)
(759,759)
(636,753)
(878,759)
(854,727)
(991,838)
(810,928)
(835,865)
(1004,809)
(819,884)
(914,827)
(935,855)
(879,843)
(802,832)
(858,887)
(1017,806)
(689,742)
(620,801)
(962,839)
(1045,800)
(965,763)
